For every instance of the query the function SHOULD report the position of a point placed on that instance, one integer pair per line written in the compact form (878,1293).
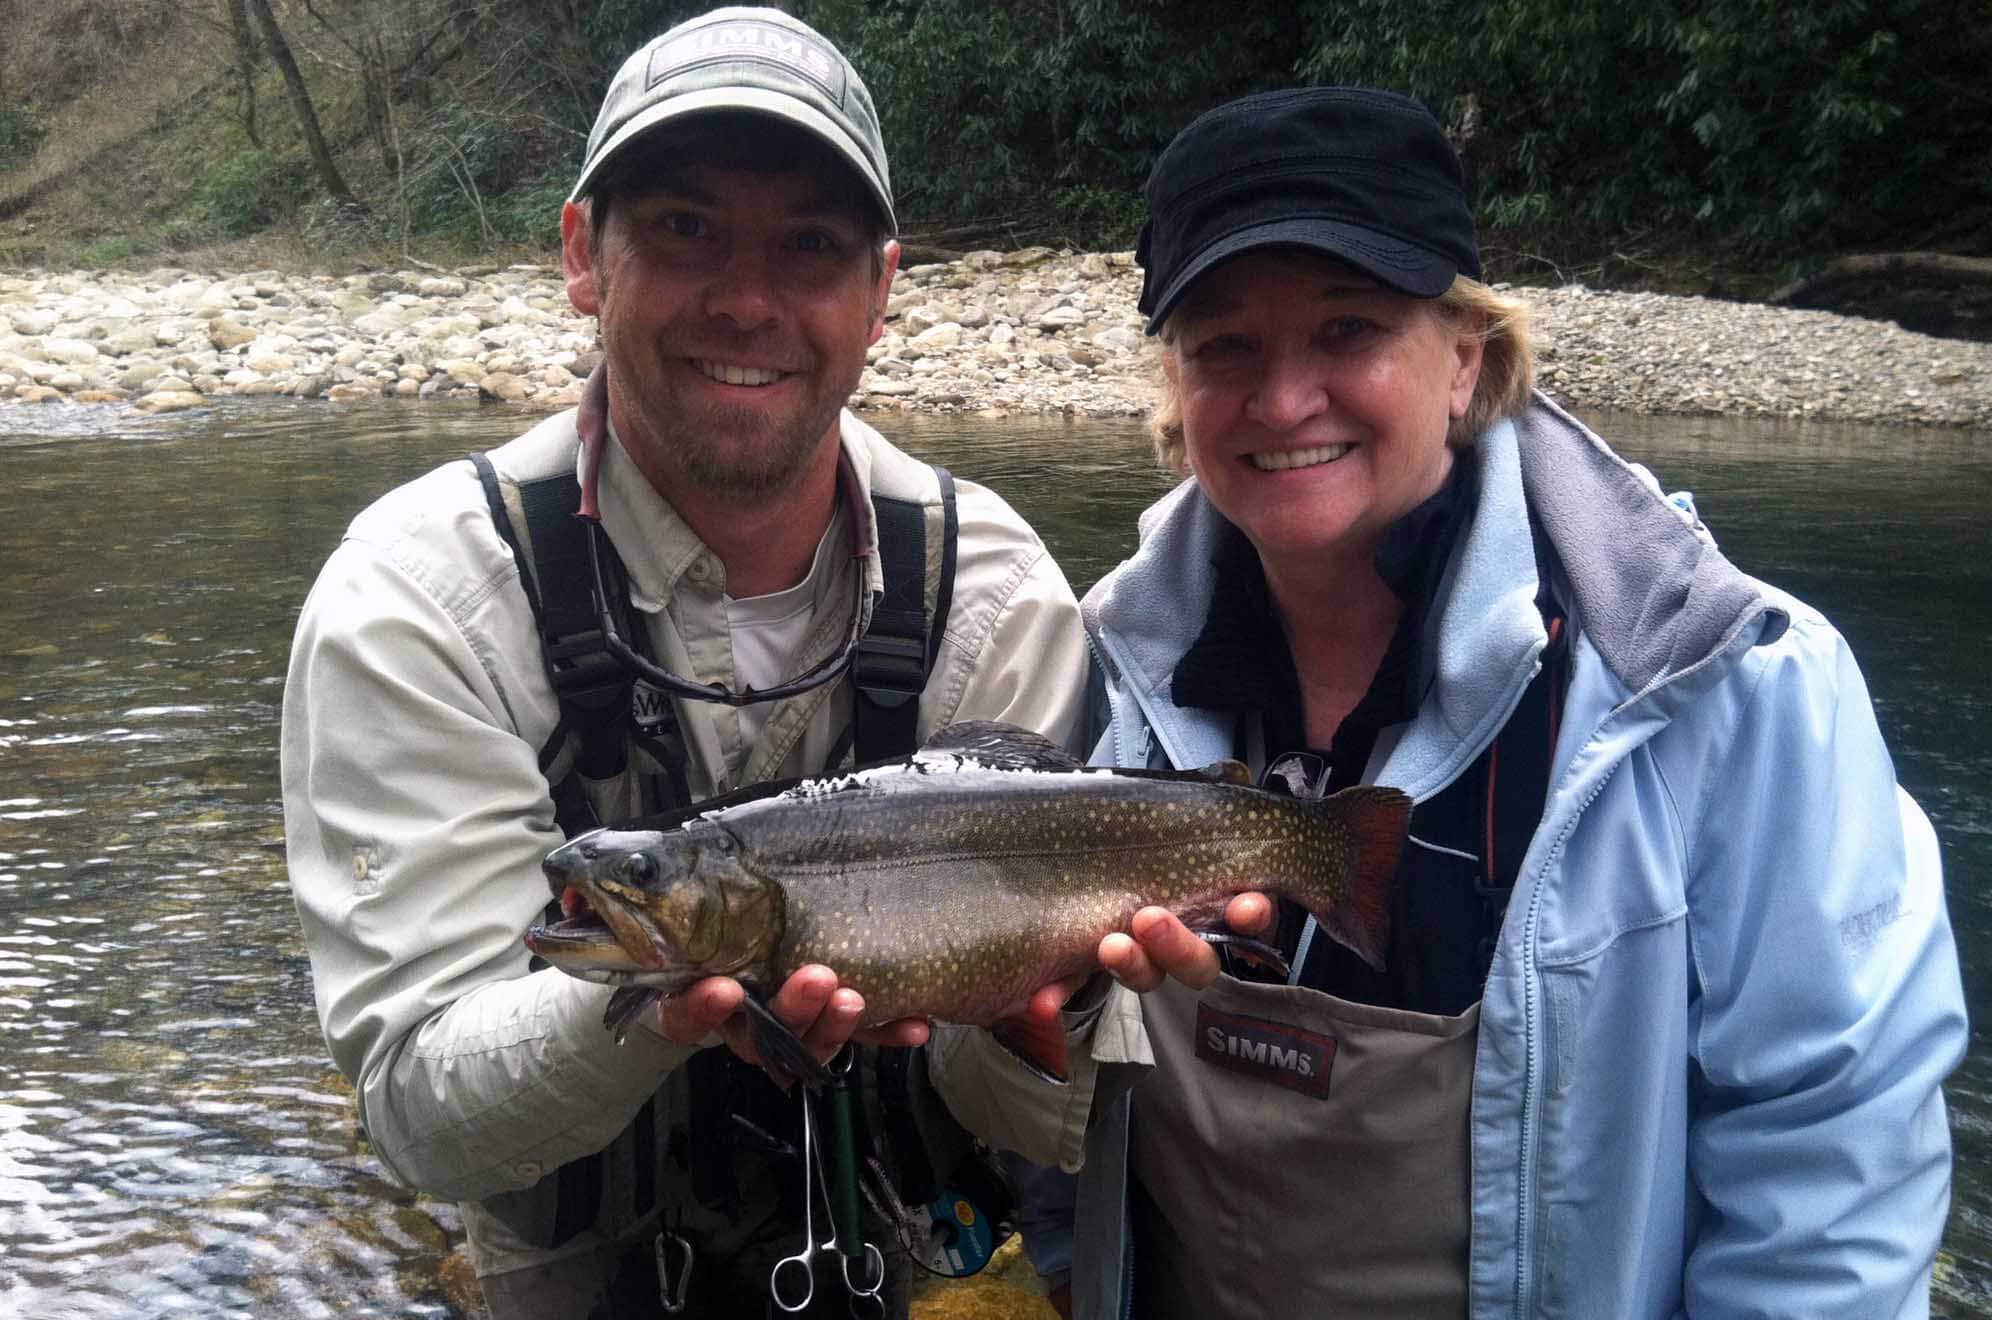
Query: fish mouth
(599,938)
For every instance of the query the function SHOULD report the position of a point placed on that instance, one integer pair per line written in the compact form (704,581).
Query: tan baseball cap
(757,60)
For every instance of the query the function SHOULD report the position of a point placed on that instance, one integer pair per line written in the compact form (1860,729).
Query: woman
(1670,989)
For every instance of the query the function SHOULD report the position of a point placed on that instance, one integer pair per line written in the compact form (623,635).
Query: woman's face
(1315,401)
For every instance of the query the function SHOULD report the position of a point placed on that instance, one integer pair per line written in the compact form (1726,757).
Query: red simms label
(1270,1051)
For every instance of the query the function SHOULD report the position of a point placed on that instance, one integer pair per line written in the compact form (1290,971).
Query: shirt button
(528,1169)
(698,572)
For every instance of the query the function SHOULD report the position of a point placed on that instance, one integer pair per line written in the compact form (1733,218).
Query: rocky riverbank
(1013,333)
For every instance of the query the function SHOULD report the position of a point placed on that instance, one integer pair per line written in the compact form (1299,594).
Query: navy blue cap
(1362,175)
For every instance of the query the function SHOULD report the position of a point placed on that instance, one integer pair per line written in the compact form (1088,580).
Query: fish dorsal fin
(999,746)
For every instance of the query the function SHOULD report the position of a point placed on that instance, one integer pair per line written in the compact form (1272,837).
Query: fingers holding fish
(1158,946)
(816,1010)
(903,1033)
(1044,1006)
(700,1009)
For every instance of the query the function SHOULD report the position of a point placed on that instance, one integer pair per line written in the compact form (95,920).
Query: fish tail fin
(1377,819)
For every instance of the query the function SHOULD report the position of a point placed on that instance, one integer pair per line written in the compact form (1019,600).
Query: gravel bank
(994,334)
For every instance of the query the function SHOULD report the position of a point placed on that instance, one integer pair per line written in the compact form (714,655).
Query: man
(731,230)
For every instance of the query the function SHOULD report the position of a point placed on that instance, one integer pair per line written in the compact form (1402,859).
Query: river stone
(939,338)
(37,394)
(162,401)
(506,386)
(377,325)
(225,333)
(138,374)
(69,350)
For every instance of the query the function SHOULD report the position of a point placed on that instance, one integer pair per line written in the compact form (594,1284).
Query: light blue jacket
(1725,994)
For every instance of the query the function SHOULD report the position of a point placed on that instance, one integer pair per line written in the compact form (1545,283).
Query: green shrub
(110,250)
(21,133)
(248,190)
(530,212)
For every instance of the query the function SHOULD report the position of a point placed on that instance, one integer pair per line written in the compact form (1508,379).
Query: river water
(173,1140)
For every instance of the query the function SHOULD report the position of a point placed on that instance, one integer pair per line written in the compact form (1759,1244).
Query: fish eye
(640,868)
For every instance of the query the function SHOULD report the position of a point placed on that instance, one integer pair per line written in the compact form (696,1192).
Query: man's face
(735,308)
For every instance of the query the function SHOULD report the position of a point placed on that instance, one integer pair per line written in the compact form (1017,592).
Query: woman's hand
(1160,946)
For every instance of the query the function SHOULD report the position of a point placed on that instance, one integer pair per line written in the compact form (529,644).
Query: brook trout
(953,884)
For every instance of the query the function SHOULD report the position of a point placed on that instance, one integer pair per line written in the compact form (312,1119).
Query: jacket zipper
(1525,1171)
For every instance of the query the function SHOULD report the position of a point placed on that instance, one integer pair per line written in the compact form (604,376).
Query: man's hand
(1162,947)
(822,1014)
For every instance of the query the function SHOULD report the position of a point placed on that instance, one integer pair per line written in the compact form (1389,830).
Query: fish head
(658,908)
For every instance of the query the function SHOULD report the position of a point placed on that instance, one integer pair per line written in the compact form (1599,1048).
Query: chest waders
(737,1117)
(1344,1186)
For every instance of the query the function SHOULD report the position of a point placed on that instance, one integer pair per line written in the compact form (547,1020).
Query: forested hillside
(1732,146)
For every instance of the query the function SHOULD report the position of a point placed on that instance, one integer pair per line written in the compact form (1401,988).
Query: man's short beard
(723,473)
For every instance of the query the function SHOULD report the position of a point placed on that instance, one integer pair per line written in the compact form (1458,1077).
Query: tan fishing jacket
(416,815)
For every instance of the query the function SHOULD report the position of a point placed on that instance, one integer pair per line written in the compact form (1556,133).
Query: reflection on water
(172,1139)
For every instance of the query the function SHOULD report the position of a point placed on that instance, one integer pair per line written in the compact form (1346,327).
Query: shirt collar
(1240,660)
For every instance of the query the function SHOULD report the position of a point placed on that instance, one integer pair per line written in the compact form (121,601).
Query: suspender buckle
(890,670)
(583,671)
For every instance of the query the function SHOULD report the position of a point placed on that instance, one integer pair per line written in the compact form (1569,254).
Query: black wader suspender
(898,650)
(889,672)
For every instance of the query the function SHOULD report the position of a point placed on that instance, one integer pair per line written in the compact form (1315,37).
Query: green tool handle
(845,1209)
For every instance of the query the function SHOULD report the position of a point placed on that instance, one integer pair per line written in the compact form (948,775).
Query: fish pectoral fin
(1257,950)
(1039,1047)
(782,1051)
(625,1006)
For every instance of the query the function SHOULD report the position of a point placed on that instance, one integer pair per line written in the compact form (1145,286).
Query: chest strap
(899,647)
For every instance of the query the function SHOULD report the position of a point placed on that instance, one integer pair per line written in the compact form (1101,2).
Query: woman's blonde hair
(1507,368)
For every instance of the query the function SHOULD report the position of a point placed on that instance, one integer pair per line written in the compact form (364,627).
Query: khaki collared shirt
(416,816)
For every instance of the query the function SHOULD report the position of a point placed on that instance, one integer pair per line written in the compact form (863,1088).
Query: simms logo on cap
(749,39)
(1270,1051)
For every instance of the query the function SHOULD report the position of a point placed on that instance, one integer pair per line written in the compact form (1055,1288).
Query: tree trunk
(245,66)
(1933,267)
(307,118)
